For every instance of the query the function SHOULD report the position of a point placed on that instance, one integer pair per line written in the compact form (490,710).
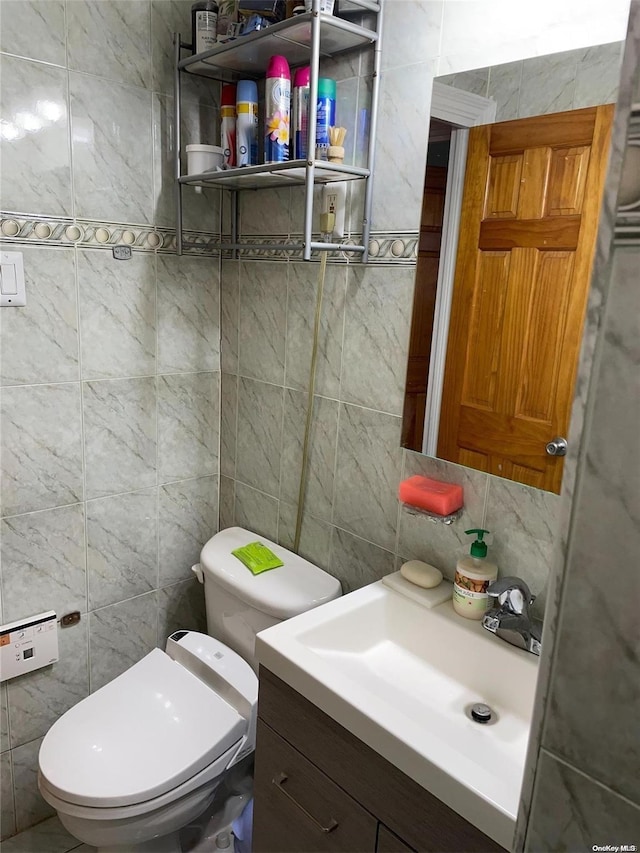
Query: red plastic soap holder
(439,501)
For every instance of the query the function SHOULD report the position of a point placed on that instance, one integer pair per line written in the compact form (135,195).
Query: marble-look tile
(188,513)
(122,547)
(200,123)
(315,535)
(188,314)
(475,81)
(322,452)
(112,150)
(121,635)
(41,447)
(120,435)
(297,207)
(117,32)
(341,68)
(606,520)
(598,75)
(368,470)
(181,607)
(524,526)
(167,17)
(38,699)
(43,562)
(376,336)
(406,43)
(188,425)
(7,805)
(228,423)
(263,308)
(256,511)
(401,157)
(4,719)
(30,807)
(301,307)
(34,29)
(266,212)
(40,341)
(548,84)
(258,451)
(356,562)
(230,315)
(504,88)
(36,166)
(117,314)
(573,812)
(439,544)
(48,836)
(227,502)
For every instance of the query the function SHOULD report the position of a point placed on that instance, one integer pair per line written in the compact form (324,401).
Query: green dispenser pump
(474,573)
(478,547)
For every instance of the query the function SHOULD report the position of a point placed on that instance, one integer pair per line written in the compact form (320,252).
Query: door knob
(557,447)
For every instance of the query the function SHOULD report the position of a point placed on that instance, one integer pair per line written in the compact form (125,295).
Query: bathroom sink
(403,678)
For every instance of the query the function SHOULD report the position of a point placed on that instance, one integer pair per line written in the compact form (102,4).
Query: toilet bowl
(142,757)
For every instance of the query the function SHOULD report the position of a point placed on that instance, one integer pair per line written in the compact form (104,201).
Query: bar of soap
(421,574)
(431,495)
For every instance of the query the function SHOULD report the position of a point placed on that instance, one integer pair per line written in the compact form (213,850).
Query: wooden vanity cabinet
(319,788)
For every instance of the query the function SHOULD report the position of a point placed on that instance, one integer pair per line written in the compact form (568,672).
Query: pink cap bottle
(278,106)
(301,81)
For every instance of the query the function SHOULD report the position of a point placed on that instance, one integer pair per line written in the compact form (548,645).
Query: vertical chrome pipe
(177,140)
(312,124)
(375,94)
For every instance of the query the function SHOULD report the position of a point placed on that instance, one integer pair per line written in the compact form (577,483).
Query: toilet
(133,763)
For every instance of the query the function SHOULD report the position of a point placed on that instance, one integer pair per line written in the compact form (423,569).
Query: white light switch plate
(28,644)
(12,289)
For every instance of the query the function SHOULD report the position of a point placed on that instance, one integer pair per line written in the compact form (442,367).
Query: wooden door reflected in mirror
(529,204)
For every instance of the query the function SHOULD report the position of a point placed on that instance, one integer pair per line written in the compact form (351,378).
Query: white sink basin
(402,677)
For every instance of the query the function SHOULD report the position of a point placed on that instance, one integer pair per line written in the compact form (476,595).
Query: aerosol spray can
(247,123)
(326,115)
(301,80)
(228,124)
(277,108)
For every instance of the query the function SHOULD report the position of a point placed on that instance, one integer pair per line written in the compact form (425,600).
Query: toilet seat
(107,813)
(150,732)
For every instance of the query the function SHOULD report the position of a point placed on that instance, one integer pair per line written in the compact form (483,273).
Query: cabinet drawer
(297,809)
(388,842)
(425,822)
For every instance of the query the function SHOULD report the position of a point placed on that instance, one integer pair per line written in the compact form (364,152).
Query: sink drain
(481,713)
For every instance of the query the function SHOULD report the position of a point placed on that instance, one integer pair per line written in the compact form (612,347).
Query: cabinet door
(388,842)
(297,809)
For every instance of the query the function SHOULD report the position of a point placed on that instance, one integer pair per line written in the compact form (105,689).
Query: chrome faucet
(508,617)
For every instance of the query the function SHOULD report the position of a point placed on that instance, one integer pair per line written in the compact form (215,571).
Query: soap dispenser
(474,573)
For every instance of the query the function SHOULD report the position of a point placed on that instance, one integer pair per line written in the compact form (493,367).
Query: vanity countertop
(402,678)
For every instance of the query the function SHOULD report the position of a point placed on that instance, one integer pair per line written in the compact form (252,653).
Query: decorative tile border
(384,247)
(18,228)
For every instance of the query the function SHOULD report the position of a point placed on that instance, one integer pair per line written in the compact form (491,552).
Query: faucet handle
(511,593)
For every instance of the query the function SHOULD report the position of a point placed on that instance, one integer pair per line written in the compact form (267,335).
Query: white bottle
(473,576)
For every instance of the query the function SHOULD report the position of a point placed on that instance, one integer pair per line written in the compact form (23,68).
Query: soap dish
(433,516)
(426,597)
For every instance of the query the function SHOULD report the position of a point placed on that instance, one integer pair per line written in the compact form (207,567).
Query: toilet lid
(144,733)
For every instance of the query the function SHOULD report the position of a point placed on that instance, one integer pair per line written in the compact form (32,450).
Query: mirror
(516,165)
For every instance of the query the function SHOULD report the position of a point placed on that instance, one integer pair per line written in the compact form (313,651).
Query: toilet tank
(240,604)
